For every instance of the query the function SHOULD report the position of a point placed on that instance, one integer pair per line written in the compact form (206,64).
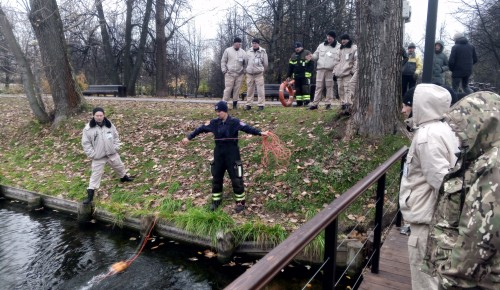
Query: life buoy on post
(288,86)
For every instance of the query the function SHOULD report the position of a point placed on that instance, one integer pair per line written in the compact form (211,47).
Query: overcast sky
(215,11)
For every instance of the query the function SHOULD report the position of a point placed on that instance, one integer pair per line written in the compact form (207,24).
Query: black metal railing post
(377,232)
(330,255)
(399,216)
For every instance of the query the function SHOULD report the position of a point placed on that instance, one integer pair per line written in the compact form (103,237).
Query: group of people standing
(462,58)
(336,62)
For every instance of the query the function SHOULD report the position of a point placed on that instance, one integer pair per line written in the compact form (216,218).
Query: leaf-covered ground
(172,179)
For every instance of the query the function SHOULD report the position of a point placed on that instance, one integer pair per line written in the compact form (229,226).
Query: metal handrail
(278,258)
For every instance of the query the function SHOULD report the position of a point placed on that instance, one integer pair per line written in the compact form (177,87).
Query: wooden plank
(395,258)
(376,280)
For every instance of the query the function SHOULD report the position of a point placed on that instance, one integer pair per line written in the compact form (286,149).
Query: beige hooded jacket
(431,154)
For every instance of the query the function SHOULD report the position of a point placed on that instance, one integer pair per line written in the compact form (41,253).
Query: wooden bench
(271,90)
(115,90)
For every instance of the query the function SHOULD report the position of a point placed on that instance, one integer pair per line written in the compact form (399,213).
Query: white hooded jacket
(431,154)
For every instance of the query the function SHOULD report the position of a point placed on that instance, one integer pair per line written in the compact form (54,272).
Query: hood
(442,46)
(475,121)
(430,102)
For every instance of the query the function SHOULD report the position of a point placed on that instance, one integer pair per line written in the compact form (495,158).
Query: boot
(235,105)
(300,103)
(328,107)
(90,196)
(313,107)
(261,108)
(306,103)
(126,178)
(215,204)
(247,107)
(240,206)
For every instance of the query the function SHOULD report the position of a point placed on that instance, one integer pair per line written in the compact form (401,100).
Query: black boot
(306,103)
(328,107)
(90,196)
(247,107)
(261,108)
(215,204)
(300,103)
(126,178)
(235,105)
(313,107)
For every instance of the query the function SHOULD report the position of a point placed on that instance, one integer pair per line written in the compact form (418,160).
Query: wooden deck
(394,269)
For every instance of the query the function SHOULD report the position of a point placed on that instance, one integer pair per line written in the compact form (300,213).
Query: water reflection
(47,250)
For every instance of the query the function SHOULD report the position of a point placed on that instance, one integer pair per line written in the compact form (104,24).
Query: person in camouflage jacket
(463,247)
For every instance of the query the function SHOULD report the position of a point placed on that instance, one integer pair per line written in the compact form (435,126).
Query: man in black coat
(462,58)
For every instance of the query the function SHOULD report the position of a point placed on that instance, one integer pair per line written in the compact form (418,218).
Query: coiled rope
(280,153)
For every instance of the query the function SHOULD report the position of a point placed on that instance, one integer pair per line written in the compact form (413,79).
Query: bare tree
(110,67)
(376,99)
(195,49)
(47,25)
(34,99)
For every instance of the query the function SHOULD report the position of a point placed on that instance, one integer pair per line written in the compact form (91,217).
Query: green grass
(172,178)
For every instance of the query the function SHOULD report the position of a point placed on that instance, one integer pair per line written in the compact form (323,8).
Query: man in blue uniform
(226,153)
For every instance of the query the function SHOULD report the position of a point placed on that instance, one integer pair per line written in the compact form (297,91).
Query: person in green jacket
(440,65)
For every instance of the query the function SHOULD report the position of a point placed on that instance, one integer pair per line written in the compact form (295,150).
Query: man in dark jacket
(462,58)
(440,65)
(226,153)
(300,68)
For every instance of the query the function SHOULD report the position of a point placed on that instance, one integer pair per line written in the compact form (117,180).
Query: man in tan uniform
(326,55)
(256,64)
(232,65)
(101,143)
(346,72)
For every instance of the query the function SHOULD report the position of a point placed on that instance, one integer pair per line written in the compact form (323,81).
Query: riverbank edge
(224,245)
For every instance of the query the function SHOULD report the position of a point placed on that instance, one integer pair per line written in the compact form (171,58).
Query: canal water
(49,250)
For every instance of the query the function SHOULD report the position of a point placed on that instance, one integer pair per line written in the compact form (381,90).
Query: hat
(411,45)
(408,97)
(332,33)
(298,44)
(458,35)
(221,106)
(256,40)
(237,39)
(345,36)
(97,109)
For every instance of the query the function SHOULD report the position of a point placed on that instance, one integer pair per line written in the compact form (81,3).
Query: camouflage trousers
(98,169)
(417,244)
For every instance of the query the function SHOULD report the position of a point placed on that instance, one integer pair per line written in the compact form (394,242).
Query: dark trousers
(302,90)
(455,84)
(408,83)
(227,158)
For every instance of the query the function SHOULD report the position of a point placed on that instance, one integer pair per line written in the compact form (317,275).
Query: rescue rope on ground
(123,265)
(288,86)
(271,144)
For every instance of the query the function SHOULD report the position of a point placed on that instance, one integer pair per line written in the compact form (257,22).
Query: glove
(334,78)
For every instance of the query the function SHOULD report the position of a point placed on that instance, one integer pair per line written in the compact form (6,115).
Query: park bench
(272,92)
(115,90)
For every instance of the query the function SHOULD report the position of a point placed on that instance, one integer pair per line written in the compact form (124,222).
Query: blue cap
(221,106)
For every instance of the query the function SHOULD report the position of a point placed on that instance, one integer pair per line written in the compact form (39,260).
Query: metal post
(430,36)
(331,253)
(377,233)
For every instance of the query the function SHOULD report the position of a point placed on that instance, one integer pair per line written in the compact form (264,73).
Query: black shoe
(235,105)
(215,204)
(300,103)
(127,178)
(328,107)
(247,108)
(239,207)
(261,108)
(90,196)
(313,107)
(306,103)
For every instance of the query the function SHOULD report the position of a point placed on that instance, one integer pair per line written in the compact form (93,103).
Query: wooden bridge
(394,267)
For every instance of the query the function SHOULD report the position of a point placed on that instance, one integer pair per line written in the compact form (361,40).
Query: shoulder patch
(207,123)
(242,124)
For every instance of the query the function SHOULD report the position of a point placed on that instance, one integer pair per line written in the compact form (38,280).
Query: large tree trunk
(34,100)
(46,22)
(127,57)
(376,100)
(110,67)
(134,68)
(161,50)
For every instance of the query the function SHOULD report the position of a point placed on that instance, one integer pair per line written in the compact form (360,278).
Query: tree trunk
(34,100)
(161,50)
(376,99)
(127,58)
(106,43)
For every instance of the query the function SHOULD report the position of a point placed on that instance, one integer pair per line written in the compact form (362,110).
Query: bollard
(34,202)
(85,211)
(224,246)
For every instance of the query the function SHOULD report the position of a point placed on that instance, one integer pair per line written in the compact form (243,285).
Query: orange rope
(272,144)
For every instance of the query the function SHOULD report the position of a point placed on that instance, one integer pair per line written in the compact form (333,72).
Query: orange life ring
(288,86)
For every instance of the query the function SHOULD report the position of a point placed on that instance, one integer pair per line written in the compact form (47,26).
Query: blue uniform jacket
(225,132)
